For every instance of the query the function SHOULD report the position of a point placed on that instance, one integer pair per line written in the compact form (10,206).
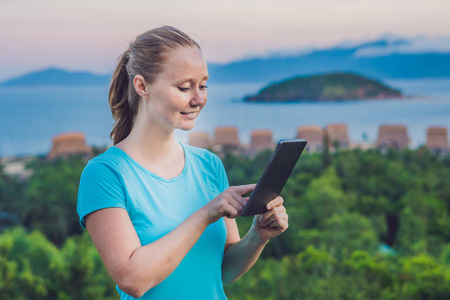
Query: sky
(91,34)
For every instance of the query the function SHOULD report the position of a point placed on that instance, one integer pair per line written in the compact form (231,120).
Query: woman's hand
(229,203)
(273,222)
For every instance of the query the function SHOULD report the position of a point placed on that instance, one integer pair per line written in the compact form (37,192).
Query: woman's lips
(190,115)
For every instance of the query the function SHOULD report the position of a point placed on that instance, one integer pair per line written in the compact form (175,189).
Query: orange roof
(313,133)
(260,140)
(68,144)
(437,138)
(200,139)
(393,136)
(338,132)
(226,136)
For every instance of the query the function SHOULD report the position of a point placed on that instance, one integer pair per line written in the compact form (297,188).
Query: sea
(31,117)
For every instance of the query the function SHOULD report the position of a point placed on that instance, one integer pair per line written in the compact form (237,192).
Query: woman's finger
(265,216)
(279,224)
(238,198)
(243,189)
(268,214)
(278,201)
(280,208)
(236,204)
(273,217)
(231,212)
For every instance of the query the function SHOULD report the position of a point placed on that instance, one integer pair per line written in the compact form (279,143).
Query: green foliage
(50,198)
(325,87)
(421,277)
(86,276)
(314,274)
(10,191)
(341,208)
(31,267)
(345,208)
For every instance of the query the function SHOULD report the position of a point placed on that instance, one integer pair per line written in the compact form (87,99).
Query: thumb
(243,189)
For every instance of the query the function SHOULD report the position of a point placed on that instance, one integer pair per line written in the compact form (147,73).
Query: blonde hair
(144,57)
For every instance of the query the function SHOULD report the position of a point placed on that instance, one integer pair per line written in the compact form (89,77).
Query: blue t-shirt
(156,206)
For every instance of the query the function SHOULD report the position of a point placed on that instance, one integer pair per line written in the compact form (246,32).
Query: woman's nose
(199,98)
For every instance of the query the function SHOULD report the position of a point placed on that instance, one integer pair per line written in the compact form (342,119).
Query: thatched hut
(226,139)
(314,135)
(200,139)
(338,135)
(437,139)
(68,144)
(260,140)
(392,136)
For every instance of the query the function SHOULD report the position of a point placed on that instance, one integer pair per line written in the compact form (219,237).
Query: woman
(161,213)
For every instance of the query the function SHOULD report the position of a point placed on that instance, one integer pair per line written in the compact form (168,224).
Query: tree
(10,193)
(31,267)
(49,203)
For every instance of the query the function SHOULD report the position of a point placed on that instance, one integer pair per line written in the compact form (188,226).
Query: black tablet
(275,175)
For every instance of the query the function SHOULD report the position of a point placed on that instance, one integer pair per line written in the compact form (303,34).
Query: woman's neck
(150,143)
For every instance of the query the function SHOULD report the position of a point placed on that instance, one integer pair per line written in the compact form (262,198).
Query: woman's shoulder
(112,159)
(202,155)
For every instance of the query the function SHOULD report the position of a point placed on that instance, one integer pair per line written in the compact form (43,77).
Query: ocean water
(31,117)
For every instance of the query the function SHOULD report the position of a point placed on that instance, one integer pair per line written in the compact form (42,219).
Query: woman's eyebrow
(191,80)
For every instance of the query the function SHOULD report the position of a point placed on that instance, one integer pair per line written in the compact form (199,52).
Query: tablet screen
(275,175)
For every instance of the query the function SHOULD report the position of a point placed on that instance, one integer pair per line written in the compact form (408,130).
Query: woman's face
(179,92)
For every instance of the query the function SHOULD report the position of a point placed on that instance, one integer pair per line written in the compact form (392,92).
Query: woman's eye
(203,87)
(183,89)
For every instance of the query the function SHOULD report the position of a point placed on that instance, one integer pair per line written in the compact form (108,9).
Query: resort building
(200,139)
(68,144)
(314,135)
(226,140)
(338,135)
(392,136)
(260,140)
(437,139)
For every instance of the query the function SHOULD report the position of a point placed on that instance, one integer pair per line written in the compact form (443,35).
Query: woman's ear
(141,86)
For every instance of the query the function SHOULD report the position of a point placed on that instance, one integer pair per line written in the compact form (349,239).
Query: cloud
(418,44)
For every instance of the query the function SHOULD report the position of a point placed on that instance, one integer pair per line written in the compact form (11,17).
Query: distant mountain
(327,87)
(384,59)
(57,77)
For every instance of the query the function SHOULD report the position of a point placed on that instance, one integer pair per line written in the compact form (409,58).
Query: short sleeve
(100,187)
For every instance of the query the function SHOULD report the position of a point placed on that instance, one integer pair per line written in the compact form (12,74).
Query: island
(324,87)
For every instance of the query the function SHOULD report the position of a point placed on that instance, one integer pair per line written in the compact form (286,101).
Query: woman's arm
(136,268)
(241,254)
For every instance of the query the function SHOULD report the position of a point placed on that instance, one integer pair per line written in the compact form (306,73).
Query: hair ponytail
(119,91)
(144,57)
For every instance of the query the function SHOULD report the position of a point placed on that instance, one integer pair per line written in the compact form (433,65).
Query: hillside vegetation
(326,87)
(363,225)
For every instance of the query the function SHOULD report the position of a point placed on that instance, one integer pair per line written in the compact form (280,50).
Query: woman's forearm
(241,256)
(135,268)
(167,252)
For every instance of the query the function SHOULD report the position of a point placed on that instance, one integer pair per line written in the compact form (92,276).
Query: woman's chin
(186,127)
